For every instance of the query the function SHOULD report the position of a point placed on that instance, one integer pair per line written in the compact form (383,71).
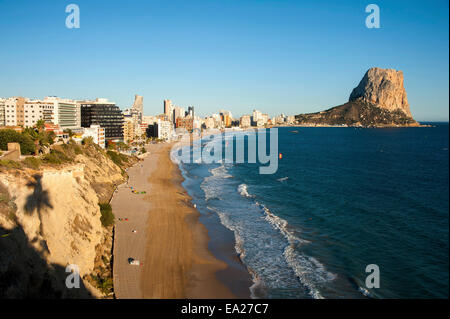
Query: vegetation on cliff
(50,215)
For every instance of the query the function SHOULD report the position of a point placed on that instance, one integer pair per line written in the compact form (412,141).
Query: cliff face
(378,100)
(383,88)
(49,219)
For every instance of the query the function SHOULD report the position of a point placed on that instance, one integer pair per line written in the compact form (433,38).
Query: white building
(209,123)
(165,129)
(2,112)
(245,121)
(35,110)
(290,119)
(259,119)
(11,111)
(177,112)
(97,133)
(149,119)
(67,113)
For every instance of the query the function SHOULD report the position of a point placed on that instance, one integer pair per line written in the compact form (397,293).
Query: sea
(343,201)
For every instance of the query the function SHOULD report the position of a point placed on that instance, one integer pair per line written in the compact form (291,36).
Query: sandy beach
(170,242)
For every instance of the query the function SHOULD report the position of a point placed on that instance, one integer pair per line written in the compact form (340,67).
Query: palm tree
(40,125)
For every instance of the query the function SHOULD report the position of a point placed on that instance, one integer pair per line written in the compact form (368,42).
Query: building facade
(245,121)
(2,112)
(186,123)
(11,111)
(168,109)
(97,133)
(66,113)
(107,115)
(160,129)
(128,130)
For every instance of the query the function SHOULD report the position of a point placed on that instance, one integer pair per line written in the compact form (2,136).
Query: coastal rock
(378,101)
(383,88)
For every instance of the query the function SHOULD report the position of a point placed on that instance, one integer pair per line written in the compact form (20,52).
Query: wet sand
(171,242)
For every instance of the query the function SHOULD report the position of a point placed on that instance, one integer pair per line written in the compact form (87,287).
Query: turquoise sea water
(342,198)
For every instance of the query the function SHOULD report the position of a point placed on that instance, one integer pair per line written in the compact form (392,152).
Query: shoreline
(178,263)
(171,243)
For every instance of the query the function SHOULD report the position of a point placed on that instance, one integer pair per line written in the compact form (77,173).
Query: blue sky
(276,56)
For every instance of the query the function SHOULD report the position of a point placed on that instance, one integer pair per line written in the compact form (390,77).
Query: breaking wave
(263,238)
(242,189)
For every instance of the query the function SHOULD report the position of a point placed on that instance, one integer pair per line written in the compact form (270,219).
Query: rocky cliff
(50,218)
(379,100)
(383,88)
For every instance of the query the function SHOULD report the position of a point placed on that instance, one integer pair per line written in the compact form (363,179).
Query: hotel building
(107,115)
(66,113)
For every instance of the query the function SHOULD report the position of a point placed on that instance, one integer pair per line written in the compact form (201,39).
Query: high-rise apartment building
(128,130)
(66,113)
(168,109)
(137,109)
(106,114)
(177,113)
(190,111)
(245,121)
(35,110)
(160,129)
(13,106)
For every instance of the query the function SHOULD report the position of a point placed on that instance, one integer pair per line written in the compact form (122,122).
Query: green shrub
(115,157)
(10,164)
(87,140)
(107,217)
(77,149)
(105,285)
(32,162)
(27,146)
(56,157)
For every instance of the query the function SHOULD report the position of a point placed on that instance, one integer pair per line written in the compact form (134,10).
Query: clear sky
(276,56)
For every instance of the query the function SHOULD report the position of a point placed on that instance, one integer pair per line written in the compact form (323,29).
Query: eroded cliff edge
(50,218)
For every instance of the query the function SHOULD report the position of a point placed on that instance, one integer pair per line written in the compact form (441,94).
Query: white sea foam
(239,247)
(212,185)
(282,179)
(263,240)
(308,269)
(243,190)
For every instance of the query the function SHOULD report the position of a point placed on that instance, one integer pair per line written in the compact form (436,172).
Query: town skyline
(287,55)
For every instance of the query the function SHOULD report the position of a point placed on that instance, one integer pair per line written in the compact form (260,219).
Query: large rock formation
(378,100)
(383,88)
